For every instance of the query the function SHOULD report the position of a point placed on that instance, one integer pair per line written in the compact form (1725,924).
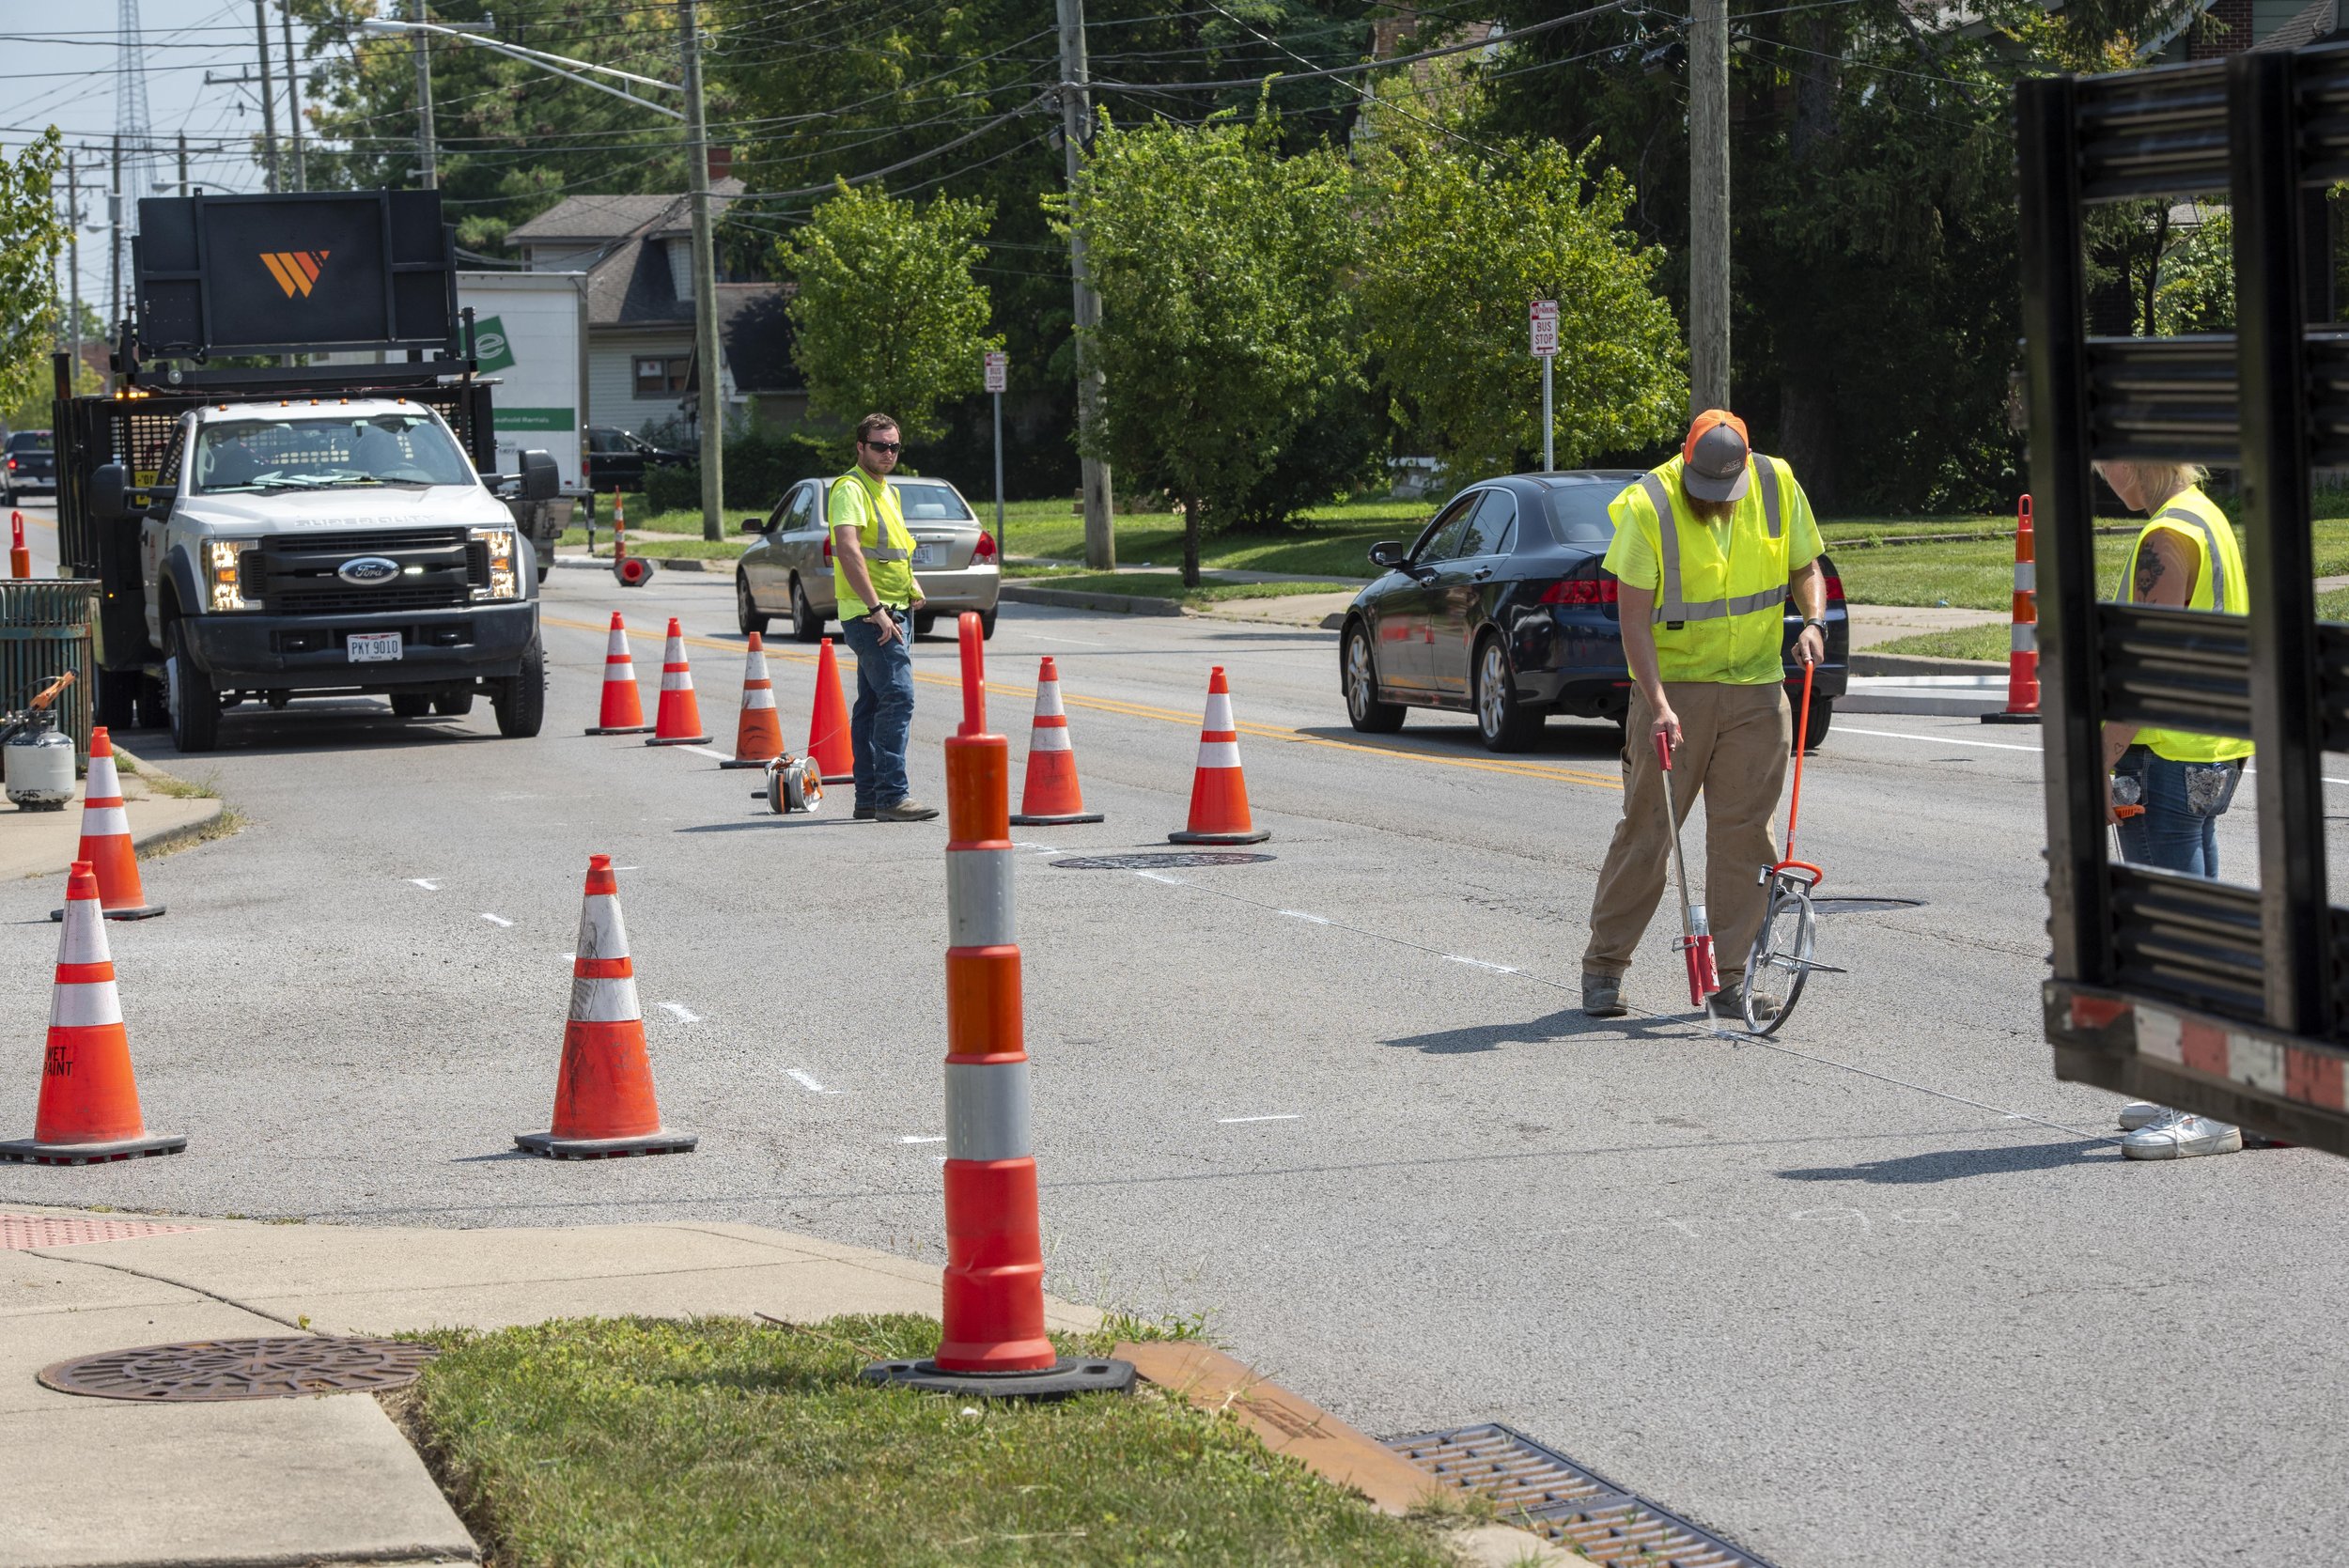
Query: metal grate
(338,600)
(1541,1490)
(21,1232)
(207,1371)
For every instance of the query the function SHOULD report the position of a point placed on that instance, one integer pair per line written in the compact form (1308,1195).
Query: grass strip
(718,1440)
(1170,585)
(1964,641)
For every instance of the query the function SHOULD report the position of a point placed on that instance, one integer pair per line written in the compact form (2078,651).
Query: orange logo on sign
(295,270)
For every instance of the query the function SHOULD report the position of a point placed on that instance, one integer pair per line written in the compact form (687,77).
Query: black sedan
(27,462)
(1501,609)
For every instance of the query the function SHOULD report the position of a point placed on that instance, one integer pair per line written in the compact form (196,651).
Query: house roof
(597,217)
(2305,27)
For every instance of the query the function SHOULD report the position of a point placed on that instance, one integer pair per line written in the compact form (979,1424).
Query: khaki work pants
(1734,745)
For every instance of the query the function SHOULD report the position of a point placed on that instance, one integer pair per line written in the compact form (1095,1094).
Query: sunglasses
(886,445)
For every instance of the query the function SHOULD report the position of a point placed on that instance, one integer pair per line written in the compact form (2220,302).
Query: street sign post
(997,378)
(1544,325)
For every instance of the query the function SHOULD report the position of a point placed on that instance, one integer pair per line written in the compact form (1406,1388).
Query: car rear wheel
(746,616)
(986,625)
(195,703)
(521,699)
(1502,723)
(807,625)
(923,625)
(1822,714)
(1362,707)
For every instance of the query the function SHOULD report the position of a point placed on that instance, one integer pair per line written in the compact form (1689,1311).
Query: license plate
(925,555)
(374,647)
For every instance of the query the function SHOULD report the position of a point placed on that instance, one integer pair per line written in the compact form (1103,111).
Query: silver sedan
(787,571)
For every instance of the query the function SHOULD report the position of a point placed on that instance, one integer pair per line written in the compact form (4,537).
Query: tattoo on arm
(2149,570)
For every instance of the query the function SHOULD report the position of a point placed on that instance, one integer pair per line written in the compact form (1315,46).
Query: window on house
(657,375)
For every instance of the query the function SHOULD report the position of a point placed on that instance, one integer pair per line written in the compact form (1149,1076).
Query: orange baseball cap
(1712,458)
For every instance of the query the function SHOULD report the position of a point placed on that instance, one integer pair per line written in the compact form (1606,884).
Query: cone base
(747,762)
(1063,1378)
(837,778)
(1058,821)
(1253,835)
(621,729)
(144,911)
(678,740)
(29,1151)
(661,1142)
(2010,717)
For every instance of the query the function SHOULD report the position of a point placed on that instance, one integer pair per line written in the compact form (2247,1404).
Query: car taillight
(984,548)
(11,463)
(1834,589)
(1581,590)
(828,550)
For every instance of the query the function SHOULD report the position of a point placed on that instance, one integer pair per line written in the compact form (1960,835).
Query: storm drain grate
(1163,861)
(208,1370)
(1550,1495)
(21,1232)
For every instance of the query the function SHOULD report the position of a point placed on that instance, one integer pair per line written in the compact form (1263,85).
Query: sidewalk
(44,843)
(107,1484)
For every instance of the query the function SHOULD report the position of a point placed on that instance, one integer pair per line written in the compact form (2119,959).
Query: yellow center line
(1588,778)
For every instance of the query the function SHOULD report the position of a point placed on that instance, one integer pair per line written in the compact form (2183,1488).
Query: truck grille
(295,574)
(343,599)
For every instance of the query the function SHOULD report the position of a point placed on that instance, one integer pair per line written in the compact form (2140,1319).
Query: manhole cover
(204,1369)
(1859,904)
(1550,1495)
(1164,861)
(20,1232)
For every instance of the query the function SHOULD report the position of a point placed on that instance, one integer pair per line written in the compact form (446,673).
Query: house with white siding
(637,252)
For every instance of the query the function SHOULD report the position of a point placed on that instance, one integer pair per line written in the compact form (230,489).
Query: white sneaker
(2182,1135)
(2140,1113)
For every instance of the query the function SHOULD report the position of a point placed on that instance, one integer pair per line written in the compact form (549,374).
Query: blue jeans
(2182,802)
(882,717)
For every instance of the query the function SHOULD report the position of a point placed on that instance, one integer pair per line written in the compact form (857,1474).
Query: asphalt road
(1883,1293)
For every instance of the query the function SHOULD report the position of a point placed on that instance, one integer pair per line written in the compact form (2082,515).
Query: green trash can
(45,631)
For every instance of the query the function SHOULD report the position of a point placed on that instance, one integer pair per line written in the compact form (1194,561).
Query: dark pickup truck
(616,460)
(30,464)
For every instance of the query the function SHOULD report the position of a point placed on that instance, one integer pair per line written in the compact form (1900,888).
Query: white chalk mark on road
(705,752)
(684,1014)
(1162,876)
(1480,964)
(1072,642)
(495,919)
(427,883)
(939,1139)
(1284,1116)
(807,1081)
(1300,914)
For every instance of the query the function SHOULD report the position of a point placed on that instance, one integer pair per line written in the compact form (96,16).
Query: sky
(60,65)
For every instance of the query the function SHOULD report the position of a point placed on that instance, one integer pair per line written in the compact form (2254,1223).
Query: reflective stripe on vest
(1669,606)
(881,549)
(2210,549)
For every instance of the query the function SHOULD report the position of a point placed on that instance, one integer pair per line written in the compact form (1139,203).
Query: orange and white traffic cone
(633,571)
(758,731)
(106,837)
(88,1111)
(1052,796)
(679,721)
(827,740)
(1218,791)
(19,558)
(2022,660)
(992,1341)
(623,710)
(604,1106)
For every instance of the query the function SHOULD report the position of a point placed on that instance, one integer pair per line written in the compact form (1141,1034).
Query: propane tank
(40,763)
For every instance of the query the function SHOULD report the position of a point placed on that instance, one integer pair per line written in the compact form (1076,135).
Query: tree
(30,233)
(1466,242)
(885,315)
(1226,319)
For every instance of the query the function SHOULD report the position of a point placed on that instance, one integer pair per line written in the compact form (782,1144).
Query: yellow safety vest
(1720,599)
(2219,585)
(871,507)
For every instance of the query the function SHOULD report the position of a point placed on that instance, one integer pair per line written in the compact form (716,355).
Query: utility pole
(428,176)
(74,263)
(114,244)
(713,417)
(183,164)
(1708,207)
(293,95)
(1076,119)
(269,100)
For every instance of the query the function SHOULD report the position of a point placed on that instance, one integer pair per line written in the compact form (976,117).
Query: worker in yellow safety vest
(1708,548)
(2185,558)
(873,582)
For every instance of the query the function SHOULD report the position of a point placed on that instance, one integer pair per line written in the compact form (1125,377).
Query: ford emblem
(368,569)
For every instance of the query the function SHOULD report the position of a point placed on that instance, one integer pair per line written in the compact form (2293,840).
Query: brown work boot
(907,810)
(1602,996)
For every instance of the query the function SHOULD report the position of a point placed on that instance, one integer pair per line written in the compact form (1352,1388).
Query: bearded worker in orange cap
(1708,551)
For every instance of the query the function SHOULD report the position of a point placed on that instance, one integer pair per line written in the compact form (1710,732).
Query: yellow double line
(1586,776)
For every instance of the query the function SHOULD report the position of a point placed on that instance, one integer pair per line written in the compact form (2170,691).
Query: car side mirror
(541,479)
(1387,553)
(107,501)
(753,526)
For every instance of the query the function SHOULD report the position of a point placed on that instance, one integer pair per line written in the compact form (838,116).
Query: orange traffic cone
(89,1098)
(2022,664)
(603,1101)
(759,732)
(827,740)
(679,721)
(1052,796)
(106,837)
(623,712)
(1218,791)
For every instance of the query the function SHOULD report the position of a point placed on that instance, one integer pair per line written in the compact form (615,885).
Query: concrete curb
(1116,604)
(1917,664)
(159,839)
(1964,696)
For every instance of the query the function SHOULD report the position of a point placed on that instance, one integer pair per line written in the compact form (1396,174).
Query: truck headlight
(223,588)
(504,566)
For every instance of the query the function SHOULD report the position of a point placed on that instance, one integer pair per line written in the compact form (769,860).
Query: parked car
(1500,608)
(788,569)
(30,463)
(615,460)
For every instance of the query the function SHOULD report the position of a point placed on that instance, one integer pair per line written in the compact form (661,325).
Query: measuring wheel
(1781,961)
(794,784)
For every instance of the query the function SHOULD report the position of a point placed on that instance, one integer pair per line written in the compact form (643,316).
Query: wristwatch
(1816,620)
